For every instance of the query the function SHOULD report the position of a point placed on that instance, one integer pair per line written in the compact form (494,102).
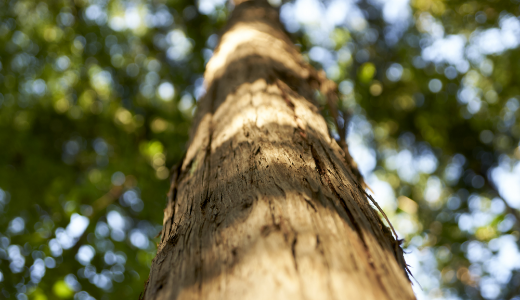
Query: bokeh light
(96,100)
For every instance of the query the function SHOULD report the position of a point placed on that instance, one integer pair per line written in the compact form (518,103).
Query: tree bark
(264,205)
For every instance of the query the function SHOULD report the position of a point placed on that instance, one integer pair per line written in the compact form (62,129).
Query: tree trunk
(264,205)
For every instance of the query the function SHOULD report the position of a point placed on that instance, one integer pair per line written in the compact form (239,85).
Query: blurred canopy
(96,98)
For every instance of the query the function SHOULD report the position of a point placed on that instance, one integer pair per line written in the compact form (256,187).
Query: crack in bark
(177,176)
(174,239)
(280,189)
(310,203)
(207,170)
(319,247)
(207,156)
(293,251)
(201,260)
(188,234)
(252,166)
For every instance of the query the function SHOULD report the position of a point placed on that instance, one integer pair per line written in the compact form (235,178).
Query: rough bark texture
(264,205)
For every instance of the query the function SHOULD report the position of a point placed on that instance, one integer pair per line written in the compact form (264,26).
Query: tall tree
(264,205)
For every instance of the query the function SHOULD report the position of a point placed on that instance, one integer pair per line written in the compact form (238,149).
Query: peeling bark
(264,204)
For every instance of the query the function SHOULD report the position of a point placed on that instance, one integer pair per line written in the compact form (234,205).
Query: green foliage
(96,99)
(91,120)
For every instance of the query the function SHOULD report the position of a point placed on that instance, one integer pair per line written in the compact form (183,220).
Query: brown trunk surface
(264,205)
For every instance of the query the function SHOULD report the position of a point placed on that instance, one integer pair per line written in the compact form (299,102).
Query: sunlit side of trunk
(264,205)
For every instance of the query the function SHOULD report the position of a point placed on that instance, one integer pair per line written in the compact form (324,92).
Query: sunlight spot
(118,178)
(117,23)
(435,85)
(37,270)
(50,262)
(449,49)
(17,225)
(115,220)
(394,72)
(17,259)
(507,180)
(433,189)
(139,239)
(166,91)
(78,224)
(85,254)
(132,18)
